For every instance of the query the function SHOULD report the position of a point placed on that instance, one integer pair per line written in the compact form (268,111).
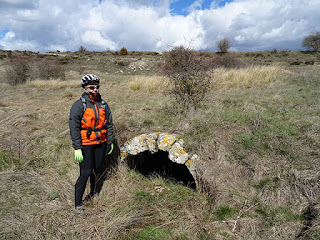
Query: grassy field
(257,133)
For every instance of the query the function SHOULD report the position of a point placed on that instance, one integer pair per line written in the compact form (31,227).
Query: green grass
(8,205)
(144,197)
(265,182)
(225,212)
(153,233)
(54,195)
(6,160)
(273,120)
(278,215)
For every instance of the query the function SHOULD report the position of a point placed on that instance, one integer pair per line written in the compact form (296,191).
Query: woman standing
(91,130)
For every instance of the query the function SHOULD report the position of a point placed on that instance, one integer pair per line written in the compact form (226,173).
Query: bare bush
(189,78)
(18,70)
(312,42)
(82,49)
(49,69)
(274,51)
(223,45)
(122,63)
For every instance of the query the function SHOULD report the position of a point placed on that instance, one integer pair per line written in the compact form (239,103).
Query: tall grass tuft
(148,83)
(251,77)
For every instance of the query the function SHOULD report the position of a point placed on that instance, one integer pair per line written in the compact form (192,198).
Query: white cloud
(195,6)
(18,3)
(42,25)
(9,36)
(10,42)
(94,38)
(262,24)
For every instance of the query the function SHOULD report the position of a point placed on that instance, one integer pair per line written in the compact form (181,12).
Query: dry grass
(53,84)
(148,83)
(251,77)
(259,149)
(128,205)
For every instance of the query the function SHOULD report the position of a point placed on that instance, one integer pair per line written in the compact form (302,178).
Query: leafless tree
(189,77)
(82,49)
(312,42)
(223,45)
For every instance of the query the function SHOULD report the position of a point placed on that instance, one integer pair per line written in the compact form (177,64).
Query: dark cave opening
(158,163)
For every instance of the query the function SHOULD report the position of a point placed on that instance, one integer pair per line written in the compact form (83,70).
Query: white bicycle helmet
(86,79)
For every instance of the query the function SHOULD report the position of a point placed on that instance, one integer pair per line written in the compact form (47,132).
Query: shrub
(223,45)
(274,51)
(49,69)
(18,70)
(122,63)
(123,51)
(228,61)
(189,77)
(82,49)
(312,42)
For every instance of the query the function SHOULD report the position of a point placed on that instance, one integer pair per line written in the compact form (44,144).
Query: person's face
(92,88)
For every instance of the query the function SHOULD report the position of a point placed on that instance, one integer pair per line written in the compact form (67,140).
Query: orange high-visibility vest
(94,124)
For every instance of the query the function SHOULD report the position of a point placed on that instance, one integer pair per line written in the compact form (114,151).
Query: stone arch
(160,152)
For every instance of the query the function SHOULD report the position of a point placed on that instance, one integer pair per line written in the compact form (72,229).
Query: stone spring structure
(160,153)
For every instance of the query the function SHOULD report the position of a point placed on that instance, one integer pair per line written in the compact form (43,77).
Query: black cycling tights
(93,166)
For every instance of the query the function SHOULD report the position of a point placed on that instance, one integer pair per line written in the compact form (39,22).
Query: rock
(295,63)
(191,165)
(153,142)
(177,154)
(165,141)
(309,62)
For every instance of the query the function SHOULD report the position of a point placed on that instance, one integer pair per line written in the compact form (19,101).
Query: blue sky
(181,7)
(155,25)
(3,32)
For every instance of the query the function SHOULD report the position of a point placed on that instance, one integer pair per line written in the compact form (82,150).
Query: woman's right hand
(78,155)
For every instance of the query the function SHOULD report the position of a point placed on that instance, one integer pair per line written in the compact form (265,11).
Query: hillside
(257,134)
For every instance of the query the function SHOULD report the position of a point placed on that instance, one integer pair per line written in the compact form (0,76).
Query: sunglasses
(93,87)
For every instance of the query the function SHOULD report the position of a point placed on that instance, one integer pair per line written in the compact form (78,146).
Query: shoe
(95,198)
(87,200)
(79,210)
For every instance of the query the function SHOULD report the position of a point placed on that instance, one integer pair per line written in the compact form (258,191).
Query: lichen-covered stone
(156,141)
(191,164)
(177,154)
(135,145)
(165,141)
(123,154)
(151,142)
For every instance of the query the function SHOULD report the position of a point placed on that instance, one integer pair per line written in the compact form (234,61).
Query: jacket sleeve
(75,124)
(110,134)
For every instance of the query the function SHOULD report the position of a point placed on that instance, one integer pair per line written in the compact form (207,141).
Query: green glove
(78,155)
(109,148)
